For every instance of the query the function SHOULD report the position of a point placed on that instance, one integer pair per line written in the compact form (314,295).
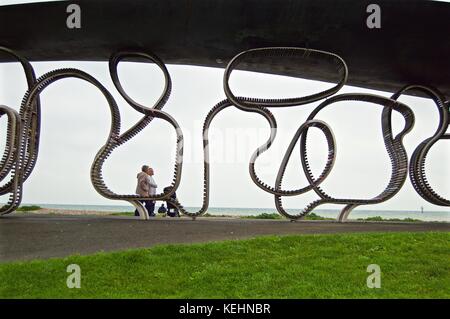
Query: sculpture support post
(143,213)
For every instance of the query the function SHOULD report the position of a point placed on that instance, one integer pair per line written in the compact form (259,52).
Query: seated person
(172,211)
(162,210)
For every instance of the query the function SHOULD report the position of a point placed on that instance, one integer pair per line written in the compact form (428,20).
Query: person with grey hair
(146,187)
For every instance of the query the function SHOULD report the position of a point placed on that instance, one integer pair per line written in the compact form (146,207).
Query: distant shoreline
(330,214)
(104,207)
(73,212)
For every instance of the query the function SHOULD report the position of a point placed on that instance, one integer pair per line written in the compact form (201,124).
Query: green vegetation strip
(413,265)
(28,208)
(381,219)
(310,216)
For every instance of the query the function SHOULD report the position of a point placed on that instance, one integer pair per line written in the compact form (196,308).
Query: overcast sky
(76,121)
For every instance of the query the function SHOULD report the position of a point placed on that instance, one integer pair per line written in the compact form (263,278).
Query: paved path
(27,236)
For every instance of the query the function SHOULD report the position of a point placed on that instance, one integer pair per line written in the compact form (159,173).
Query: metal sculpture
(394,146)
(417,172)
(13,157)
(30,142)
(23,132)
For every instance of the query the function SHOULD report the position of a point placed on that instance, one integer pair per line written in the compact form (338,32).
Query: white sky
(76,120)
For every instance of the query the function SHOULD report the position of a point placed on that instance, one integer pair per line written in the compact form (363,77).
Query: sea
(441,216)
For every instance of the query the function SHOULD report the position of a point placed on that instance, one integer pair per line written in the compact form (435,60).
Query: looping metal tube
(122,55)
(417,166)
(10,157)
(394,147)
(326,130)
(278,52)
(149,112)
(14,142)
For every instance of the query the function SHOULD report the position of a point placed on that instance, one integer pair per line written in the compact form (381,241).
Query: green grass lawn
(413,265)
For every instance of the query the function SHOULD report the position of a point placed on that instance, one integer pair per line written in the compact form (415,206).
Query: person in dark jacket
(172,211)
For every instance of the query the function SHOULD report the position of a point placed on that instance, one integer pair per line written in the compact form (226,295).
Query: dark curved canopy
(412,46)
